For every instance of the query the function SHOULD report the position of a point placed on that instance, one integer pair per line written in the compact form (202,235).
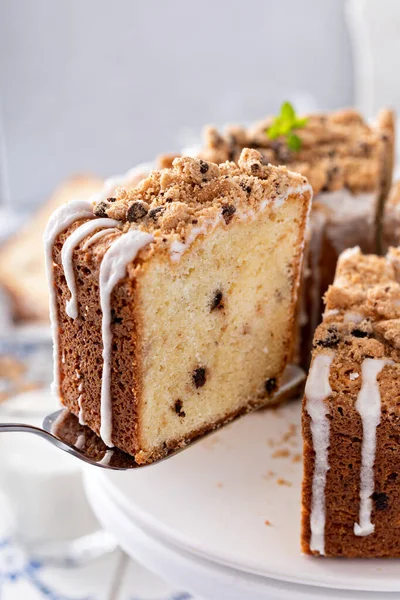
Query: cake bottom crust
(146,457)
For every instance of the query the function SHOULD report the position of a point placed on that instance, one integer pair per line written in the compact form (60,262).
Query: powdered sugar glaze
(317,391)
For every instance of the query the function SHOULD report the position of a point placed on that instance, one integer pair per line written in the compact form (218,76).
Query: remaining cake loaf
(349,165)
(173,303)
(351,414)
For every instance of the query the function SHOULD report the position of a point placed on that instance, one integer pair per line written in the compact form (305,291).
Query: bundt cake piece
(351,415)
(173,303)
(349,164)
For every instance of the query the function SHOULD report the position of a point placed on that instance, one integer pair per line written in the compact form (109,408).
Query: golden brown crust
(81,344)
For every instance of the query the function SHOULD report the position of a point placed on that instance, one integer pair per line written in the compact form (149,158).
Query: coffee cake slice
(351,414)
(173,303)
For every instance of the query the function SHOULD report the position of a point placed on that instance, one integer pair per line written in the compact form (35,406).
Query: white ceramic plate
(213,500)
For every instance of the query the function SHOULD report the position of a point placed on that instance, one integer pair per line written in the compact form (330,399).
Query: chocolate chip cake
(349,164)
(351,417)
(172,303)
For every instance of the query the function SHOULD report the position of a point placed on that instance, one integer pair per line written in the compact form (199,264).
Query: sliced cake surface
(173,303)
(351,414)
(349,164)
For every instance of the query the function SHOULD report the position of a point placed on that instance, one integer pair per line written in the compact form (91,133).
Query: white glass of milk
(43,484)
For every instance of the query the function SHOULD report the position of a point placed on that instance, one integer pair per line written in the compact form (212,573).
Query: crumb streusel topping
(172,201)
(339,149)
(364,301)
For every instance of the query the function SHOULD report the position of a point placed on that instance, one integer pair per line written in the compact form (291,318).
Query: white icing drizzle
(112,269)
(80,415)
(368,405)
(353,317)
(331,313)
(299,189)
(57,422)
(61,218)
(349,252)
(80,441)
(106,458)
(177,248)
(342,281)
(97,236)
(354,376)
(69,246)
(317,391)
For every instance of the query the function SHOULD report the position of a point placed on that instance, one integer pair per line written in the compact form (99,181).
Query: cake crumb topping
(193,192)
(337,150)
(363,307)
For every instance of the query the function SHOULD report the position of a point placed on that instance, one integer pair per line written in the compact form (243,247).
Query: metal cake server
(63,430)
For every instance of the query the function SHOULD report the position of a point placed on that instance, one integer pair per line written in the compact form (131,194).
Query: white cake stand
(222,519)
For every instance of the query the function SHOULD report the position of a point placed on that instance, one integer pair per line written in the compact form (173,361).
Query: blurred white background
(97,86)
(94,85)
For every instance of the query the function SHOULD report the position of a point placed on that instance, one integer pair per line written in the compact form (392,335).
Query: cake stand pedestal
(222,519)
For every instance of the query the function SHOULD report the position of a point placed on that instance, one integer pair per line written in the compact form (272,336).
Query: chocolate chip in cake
(270,385)
(136,211)
(114,318)
(154,213)
(380,500)
(199,377)
(178,409)
(255,168)
(101,210)
(111,199)
(331,339)
(358,333)
(203,167)
(227,212)
(245,187)
(216,301)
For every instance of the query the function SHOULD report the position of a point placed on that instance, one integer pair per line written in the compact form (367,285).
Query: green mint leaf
(293,142)
(287,112)
(300,123)
(274,131)
(284,125)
